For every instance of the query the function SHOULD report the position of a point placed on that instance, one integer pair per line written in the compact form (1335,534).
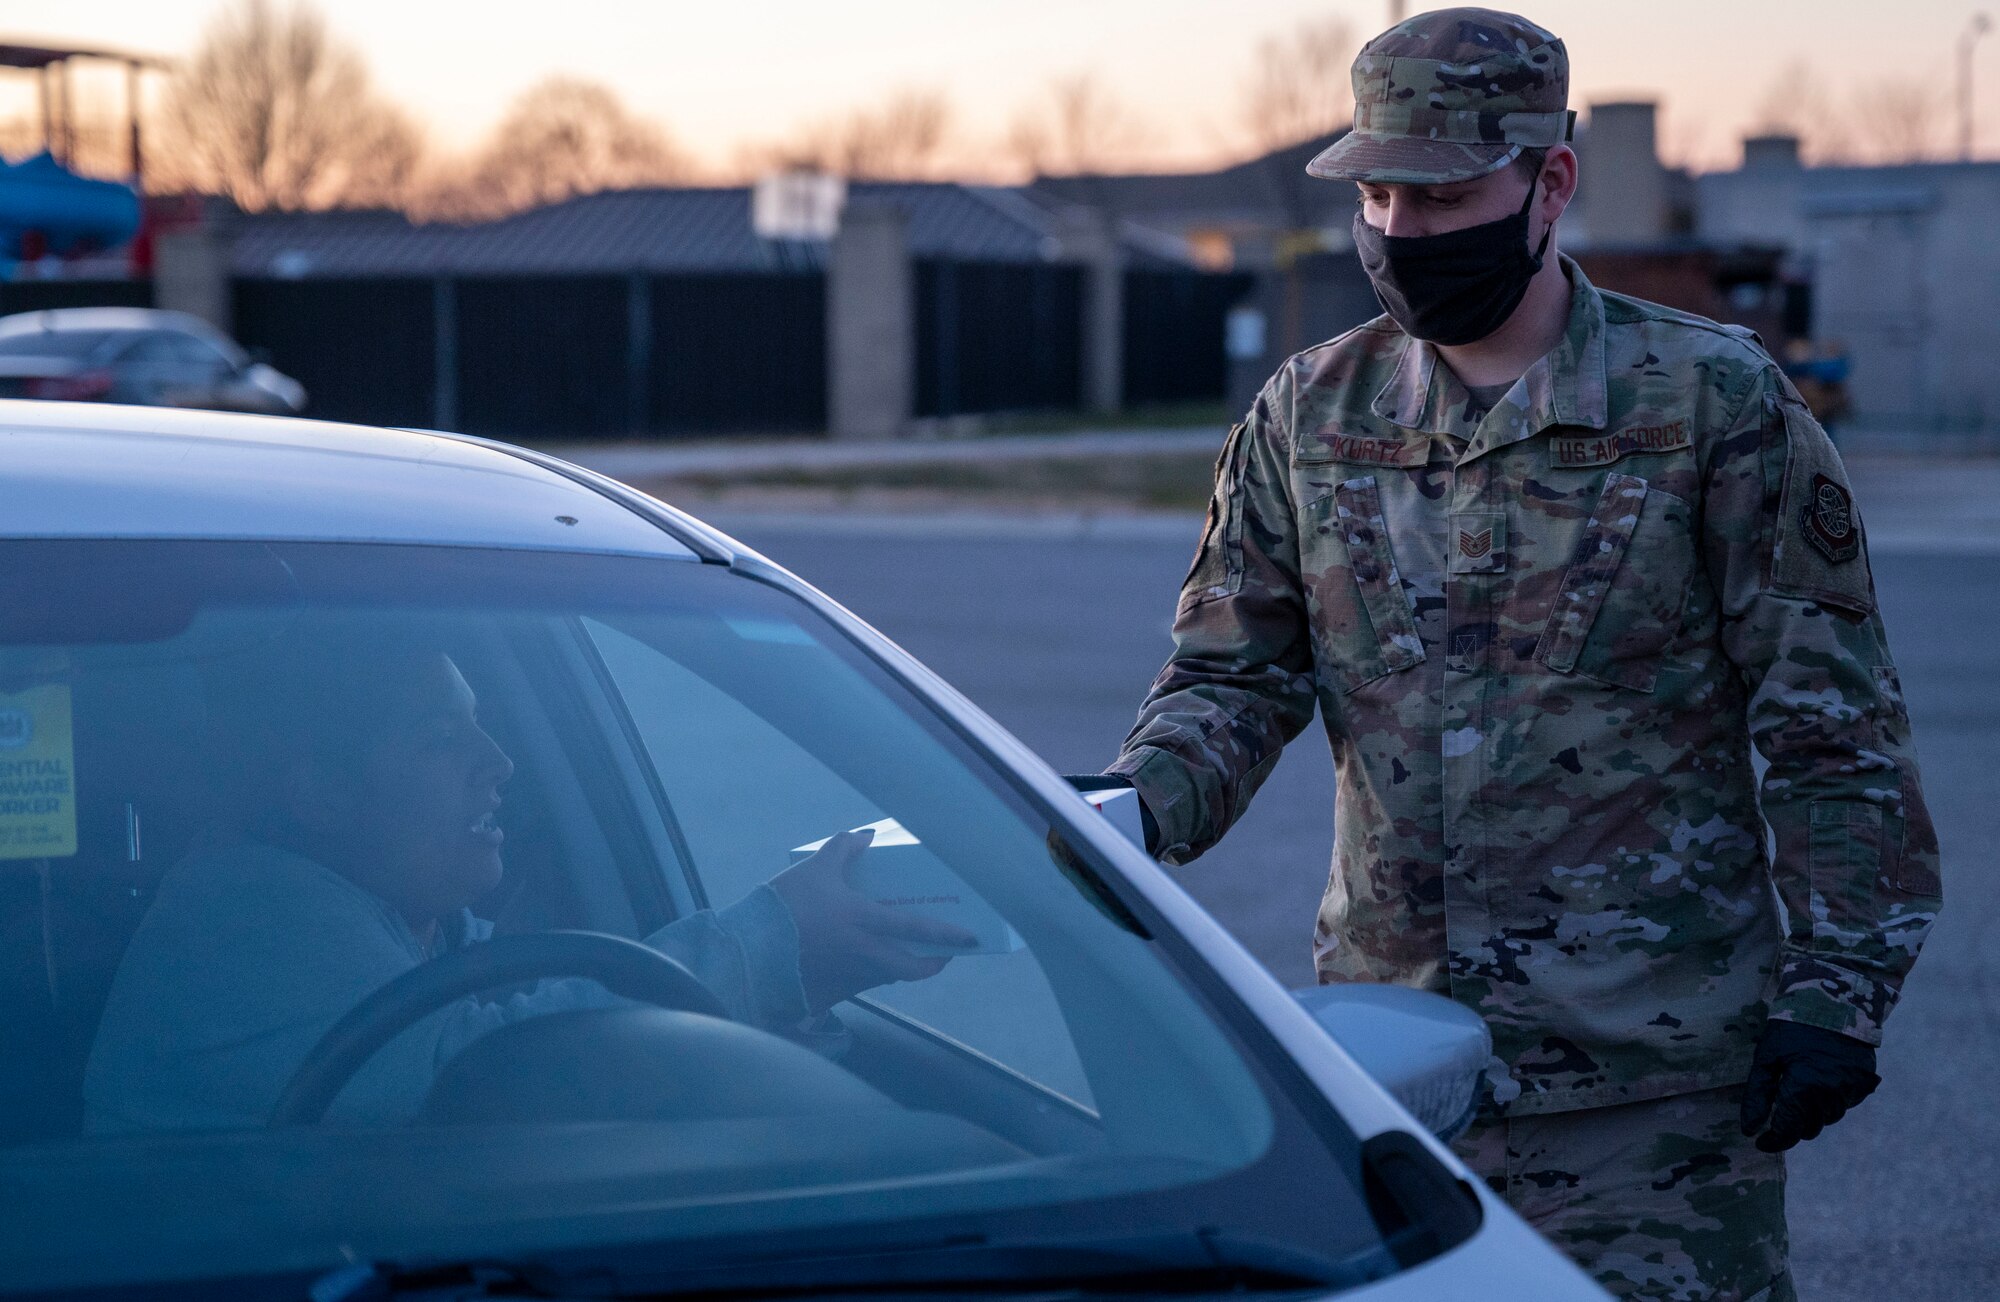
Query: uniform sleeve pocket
(1911,873)
(1217,570)
(1624,594)
(1848,855)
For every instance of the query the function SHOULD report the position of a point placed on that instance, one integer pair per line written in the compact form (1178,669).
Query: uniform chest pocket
(1625,593)
(1363,626)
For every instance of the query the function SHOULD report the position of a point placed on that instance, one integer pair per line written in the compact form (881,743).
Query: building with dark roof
(1232,217)
(660,231)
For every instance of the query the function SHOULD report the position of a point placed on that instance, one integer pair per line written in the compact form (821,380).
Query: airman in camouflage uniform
(1543,638)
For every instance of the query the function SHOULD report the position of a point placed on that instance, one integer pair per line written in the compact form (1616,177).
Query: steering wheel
(622,966)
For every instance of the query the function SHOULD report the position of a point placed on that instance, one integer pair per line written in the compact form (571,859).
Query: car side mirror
(1428,1051)
(262,375)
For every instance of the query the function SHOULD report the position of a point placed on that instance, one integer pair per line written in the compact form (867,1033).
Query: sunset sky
(722,75)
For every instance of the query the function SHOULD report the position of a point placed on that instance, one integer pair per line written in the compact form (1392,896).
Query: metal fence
(998,336)
(364,349)
(552,357)
(649,356)
(38,295)
(543,357)
(742,353)
(1174,335)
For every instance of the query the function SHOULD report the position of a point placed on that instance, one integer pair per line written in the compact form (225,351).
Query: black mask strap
(1534,184)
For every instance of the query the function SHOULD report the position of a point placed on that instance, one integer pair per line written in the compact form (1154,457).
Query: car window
(197,354)
(263,802)
(748,798)
(56,343)
(150,350)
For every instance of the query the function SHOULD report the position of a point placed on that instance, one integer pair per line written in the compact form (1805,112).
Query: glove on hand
(1802,1080)
(1118,782)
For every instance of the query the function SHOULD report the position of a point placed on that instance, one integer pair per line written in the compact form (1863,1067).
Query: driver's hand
(847,942)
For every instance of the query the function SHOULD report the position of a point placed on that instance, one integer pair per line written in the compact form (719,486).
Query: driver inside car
(354,823)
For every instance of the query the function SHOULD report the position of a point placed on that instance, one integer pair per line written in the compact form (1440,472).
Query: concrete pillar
(1625,185)
(191,274)
(871,330)
(1090,236)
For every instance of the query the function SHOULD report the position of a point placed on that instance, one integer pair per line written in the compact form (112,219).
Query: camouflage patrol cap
(1450,95)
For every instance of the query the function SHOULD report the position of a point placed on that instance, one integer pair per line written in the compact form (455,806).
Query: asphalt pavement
(1056,624)
(1939,504)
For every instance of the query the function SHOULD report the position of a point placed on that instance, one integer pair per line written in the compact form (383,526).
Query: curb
(629,463)
(969,526)
(1165,527)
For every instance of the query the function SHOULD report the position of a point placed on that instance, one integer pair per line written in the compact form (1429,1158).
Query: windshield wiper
(1197,1262)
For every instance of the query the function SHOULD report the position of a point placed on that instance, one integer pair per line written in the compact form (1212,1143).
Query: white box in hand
(1121,806)
(898,871)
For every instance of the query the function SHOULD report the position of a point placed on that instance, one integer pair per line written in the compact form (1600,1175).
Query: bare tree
(1796,104)
(1081,128)
(562,137)
(901,139)
(1899,119)
(275,112)
(102,146)
(1686,143)
(1298,85)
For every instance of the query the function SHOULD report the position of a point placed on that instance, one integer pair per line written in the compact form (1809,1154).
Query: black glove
(1802,1080)
(1118,782)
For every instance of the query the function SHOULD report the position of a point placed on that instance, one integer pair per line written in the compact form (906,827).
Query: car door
(198,374)
(146,370)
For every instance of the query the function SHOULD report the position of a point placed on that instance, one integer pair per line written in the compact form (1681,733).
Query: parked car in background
(138,355)
(1100,1092)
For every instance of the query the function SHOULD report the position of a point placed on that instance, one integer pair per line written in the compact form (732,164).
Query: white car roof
(97,470)
(108,318)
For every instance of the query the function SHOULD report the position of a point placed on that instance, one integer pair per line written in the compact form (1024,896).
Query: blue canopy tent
(45,207)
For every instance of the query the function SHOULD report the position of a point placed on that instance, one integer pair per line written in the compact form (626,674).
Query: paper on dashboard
(898,871)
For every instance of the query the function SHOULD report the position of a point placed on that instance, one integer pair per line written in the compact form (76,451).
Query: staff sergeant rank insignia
(1828,521)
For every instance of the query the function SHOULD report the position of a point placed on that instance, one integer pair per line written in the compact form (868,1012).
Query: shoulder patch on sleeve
(1217,570)
(1818,550)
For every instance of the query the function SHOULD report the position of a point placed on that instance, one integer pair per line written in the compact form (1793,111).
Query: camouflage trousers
(1660,1200)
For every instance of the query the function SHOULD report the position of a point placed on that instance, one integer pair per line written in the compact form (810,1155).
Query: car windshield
(56,343)
(322,862)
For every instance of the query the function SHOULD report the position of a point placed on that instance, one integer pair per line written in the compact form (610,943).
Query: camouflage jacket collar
(1565,387)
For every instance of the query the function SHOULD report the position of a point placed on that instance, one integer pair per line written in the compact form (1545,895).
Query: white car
(138,355)
(203,1092)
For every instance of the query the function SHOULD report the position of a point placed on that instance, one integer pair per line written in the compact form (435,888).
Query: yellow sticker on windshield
(37,774)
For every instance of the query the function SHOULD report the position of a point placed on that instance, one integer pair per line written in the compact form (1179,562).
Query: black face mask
(1457,287)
